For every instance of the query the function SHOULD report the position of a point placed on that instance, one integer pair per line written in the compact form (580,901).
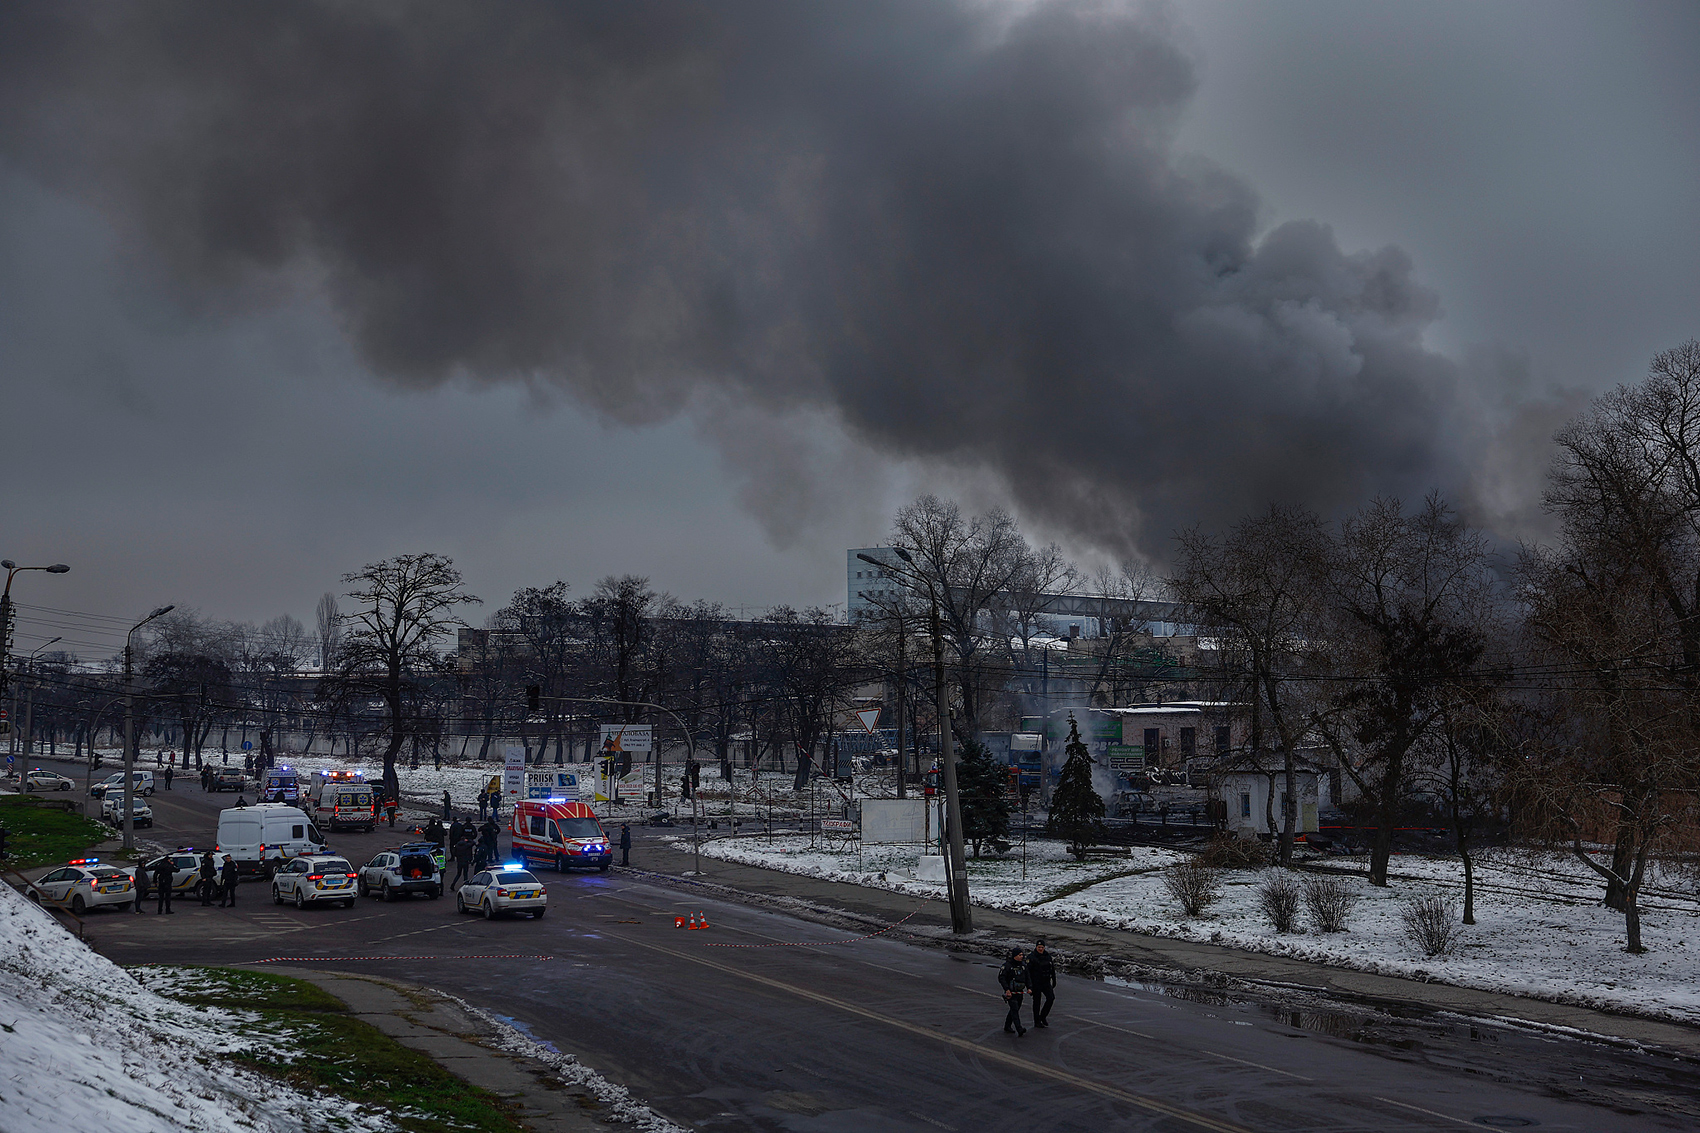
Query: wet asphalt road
(769,1022)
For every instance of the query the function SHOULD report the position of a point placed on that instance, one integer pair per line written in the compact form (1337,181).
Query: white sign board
(552,784)
(626,737)
(900,820)
(838,825)
(1026,741)
(513,772)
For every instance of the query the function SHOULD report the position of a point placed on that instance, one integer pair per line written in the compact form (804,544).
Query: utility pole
(129,795)
(7,618)
(29,698)
(902,664)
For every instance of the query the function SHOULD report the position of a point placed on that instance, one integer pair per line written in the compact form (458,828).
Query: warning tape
(343,959)
(809,943)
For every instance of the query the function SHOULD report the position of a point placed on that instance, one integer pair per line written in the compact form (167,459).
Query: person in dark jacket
(1042,974)
(456,829)
(162,875)
(463,858)
(1012,977)
(446,815)
(209,877)
(625,844)
(169,772)
(227,884)
(483,803)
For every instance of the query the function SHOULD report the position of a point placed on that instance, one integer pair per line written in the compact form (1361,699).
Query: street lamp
(6,616)
(961,917)
(29,697)
(129,731)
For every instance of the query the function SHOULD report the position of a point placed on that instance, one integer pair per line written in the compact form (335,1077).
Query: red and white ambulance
(337,799)
(560,833)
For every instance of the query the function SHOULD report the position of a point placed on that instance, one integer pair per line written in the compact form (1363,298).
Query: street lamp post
(961,916)
(29,697)
(6,618)
(129,796)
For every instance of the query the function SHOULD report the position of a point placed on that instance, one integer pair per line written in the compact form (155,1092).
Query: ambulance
(560,833)
(337,799)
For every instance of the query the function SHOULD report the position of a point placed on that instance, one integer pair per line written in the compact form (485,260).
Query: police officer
(162,876)
(463,858)
(1013,979)
(209,877)
(625,844)
(1042,974)
(227,883)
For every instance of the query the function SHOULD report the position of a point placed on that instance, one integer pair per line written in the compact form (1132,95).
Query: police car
(432,848)
(185,872)
(83,884)
(410,869)
(506,889)
(315,877)
(112,808)
(40,779)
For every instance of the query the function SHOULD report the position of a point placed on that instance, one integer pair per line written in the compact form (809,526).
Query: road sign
(870,718)
(627,737)
(513,772)
(247,745)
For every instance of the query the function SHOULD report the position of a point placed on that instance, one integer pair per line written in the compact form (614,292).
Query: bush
(1329,902)
(1226,852)
(1193,883)
(1278,897)
(1431,923)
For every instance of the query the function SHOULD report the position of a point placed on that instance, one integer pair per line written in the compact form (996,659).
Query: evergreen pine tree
(981,789)
(1077,811)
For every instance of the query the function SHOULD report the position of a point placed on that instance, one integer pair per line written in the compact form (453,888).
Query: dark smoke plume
(959,229)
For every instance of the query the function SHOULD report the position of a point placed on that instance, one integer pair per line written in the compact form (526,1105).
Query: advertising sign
(1126,757)
(626,737)
(513,772)
(1026,741)
(552,784)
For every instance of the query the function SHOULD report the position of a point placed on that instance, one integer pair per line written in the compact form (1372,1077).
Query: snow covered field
(1540,930)
(87,1047)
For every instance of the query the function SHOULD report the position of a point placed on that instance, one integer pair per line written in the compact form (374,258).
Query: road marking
(899,971)
(1259,1065)
(1040,1069)
(1110,1026)
(1430,1112)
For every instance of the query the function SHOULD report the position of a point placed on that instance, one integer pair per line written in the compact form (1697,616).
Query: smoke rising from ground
(959,230)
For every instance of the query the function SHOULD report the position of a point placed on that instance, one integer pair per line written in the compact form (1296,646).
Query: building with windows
(871,589)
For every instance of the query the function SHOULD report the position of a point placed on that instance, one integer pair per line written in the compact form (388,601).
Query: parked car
(185,871)
(83,884)
(112,808)
(229,779)
(401,871)
(310,879)
(433,848)
(143,781)
(42,780)
(264,836)
(509,889)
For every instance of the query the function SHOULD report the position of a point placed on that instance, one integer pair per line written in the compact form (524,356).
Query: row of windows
(871,573)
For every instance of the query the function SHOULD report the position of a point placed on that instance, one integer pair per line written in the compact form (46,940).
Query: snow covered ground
(87,1047)
(1540,930)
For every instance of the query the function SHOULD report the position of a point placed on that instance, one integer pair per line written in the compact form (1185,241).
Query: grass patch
(1074,887)
(41,835)
(333,1051)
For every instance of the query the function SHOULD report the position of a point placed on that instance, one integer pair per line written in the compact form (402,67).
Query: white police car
(506,889)
(40,779)
(315,877)
(112,808)
(83,884)
(185,872)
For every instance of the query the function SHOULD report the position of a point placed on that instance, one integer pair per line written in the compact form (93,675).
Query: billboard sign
(1126,757)
(617,738)
(513,772)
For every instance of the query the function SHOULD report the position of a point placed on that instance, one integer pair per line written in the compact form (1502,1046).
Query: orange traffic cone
(702,920)
(678,922)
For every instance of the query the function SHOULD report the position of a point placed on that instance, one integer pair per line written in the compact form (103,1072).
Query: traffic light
(533,698)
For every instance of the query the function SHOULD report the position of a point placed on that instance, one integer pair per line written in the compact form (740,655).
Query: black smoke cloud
(958,229)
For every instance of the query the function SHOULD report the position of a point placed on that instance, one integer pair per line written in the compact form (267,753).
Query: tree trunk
(1290,807)
(1622,861)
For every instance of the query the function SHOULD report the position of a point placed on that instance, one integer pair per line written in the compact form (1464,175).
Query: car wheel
(460,905)
(300,899)
(388,893)
(560,863)
(537,914)
(489,910)
(361,887)
(604,866)
(34,896)
(78,905)
(348,904)
(64,786)
(437,892)
(277,897)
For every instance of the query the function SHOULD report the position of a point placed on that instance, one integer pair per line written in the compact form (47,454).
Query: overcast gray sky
(281,298)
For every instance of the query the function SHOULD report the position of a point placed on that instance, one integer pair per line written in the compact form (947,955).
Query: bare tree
(330,630)
(404,609)
(813,663)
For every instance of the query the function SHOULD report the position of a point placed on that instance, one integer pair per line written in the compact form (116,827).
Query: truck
(339,800)
(264,836)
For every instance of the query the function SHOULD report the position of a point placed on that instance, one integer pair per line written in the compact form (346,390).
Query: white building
(871,589)
(1245,792)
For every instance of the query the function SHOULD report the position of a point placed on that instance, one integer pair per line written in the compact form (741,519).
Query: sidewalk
(995,928)
(473,1049)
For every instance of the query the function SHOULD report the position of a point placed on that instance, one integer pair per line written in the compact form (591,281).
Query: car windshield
(107,871)
(579,828)
(516,877)
(333,865)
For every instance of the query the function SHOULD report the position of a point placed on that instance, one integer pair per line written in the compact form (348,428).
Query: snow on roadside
(87,1047)
(1540,930)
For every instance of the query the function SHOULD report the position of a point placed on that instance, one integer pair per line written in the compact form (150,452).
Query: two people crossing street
(1023,975)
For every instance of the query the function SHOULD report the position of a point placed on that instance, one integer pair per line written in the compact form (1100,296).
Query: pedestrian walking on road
(1013,978)
(625,843)
(169,771)
(483,804)
(209,877)
(389,808)
(227,884)
(1042,975)
(162,877)
(446,814)
(463,858)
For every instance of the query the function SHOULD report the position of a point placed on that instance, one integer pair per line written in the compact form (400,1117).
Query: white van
(142,779)
(264,836)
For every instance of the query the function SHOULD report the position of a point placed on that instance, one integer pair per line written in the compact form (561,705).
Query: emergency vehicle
(281,785)
(560,833)
(337,799)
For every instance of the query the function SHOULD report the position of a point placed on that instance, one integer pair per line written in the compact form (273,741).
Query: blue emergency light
(83,861)
(513,865)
